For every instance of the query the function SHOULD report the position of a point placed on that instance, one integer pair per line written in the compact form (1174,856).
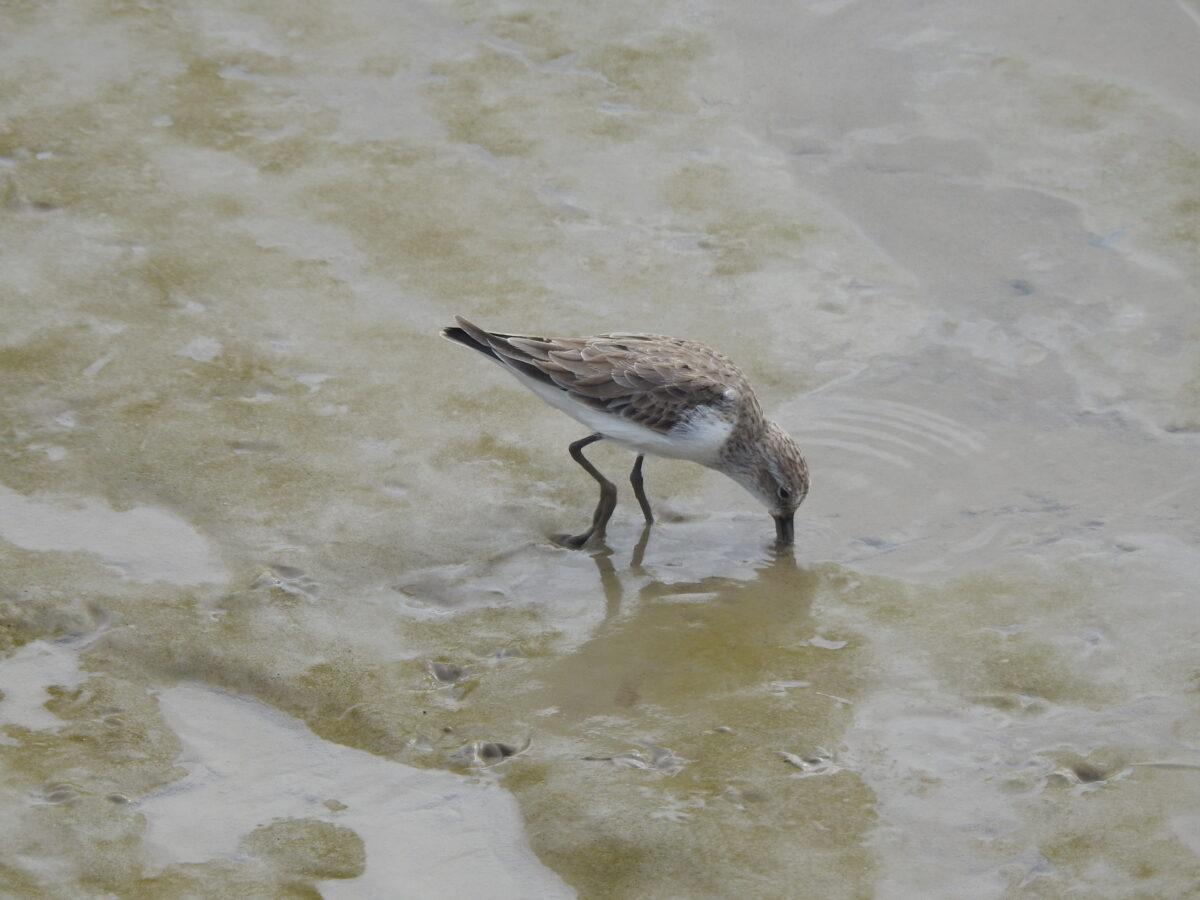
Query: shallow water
(280,614)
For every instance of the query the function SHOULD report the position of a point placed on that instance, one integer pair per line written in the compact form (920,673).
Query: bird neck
(743,450)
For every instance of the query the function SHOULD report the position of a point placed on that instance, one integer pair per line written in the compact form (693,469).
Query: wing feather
(654,381)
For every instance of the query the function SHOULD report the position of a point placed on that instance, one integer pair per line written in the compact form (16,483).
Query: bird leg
(635,478)
(608,498)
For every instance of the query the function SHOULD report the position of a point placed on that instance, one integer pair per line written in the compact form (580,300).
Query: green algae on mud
(231,233)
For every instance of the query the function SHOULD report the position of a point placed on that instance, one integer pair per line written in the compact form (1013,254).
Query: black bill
(785,532)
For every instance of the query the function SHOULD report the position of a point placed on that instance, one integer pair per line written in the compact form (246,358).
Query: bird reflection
(668,640)
(779,572)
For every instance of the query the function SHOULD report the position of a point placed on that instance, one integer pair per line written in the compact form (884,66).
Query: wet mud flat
(280,613)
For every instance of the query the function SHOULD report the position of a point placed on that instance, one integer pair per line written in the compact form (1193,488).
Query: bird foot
(578,541)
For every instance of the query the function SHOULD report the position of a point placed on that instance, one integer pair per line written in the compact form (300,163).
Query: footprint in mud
(647,756)
(1078,771)
(819,762)
(447,673)
(64,794)
(452,679)
(482,754)
(292,581)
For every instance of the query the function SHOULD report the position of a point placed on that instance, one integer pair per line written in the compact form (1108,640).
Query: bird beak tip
(784,529)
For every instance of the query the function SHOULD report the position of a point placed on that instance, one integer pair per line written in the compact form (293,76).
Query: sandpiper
(659,395)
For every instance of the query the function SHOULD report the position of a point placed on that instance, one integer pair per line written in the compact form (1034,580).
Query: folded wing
(654,381)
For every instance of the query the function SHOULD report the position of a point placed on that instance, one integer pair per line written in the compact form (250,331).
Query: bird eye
(784,492)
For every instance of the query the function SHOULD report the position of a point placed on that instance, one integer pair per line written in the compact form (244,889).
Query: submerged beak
(785,533)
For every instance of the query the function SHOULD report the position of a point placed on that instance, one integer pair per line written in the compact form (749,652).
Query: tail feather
(469,335)
(499,347)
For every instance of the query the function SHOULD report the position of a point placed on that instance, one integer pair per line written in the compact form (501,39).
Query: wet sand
(280,614)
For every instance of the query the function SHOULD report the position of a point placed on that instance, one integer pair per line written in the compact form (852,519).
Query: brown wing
(652,380)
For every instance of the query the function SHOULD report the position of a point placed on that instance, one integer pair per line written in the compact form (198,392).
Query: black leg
(608,498)
(635,478)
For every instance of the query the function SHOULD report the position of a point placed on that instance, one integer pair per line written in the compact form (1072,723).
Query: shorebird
(657,395)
